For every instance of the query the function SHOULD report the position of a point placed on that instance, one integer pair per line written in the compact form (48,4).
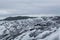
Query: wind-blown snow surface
(43,28)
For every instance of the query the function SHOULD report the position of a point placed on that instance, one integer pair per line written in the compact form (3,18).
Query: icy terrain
(43,28)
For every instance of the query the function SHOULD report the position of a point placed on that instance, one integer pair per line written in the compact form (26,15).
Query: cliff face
(43,28)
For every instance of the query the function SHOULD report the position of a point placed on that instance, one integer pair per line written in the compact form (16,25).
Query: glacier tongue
(43,28)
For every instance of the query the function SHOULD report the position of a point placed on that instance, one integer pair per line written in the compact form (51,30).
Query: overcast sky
(29,7)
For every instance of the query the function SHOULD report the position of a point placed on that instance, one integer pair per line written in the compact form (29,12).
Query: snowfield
(42,28)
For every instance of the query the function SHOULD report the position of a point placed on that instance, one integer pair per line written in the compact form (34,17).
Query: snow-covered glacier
(41,28)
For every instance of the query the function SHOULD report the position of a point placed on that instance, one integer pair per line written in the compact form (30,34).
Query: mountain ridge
(16,18)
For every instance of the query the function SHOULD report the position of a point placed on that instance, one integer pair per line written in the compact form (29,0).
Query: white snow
(23,28)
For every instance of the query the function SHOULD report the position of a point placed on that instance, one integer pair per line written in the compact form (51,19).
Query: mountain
(42,28)
(17,18)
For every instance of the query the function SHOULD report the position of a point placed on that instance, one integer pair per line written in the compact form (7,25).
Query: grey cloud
(29,7)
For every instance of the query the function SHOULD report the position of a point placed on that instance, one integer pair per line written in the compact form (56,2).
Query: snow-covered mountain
(42,28)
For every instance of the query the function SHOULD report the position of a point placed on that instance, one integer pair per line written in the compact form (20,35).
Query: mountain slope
(43,28)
